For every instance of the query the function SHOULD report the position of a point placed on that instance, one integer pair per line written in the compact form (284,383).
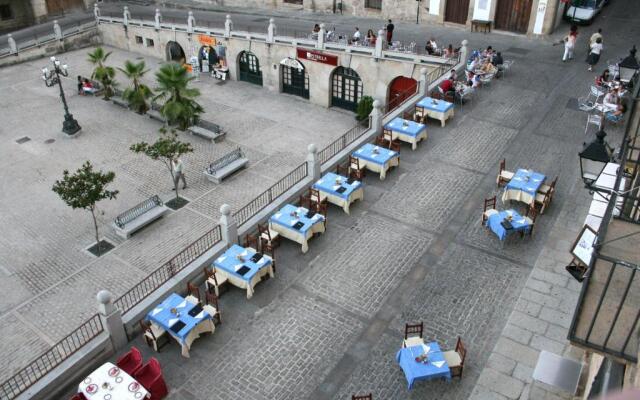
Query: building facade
(15,14)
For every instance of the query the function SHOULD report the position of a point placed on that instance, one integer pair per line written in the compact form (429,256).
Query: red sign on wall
(317,56)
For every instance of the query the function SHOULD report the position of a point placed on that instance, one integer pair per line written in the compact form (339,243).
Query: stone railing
(14,49)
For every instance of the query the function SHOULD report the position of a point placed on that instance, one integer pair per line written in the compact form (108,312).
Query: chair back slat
(503,165)
(193,291)
(490,203)
(362,397)
(212,300)
(461,349)
(413,329)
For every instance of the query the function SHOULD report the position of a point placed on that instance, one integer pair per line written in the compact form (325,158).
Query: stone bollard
(228,27)
(271,31)
(57,31)
(111,320)
(191,22)
(96,11)
(320,44)
(377,53)
(126,15)
(376,117)
(424,83)
(228,226)
(464,52)
(158,20)
(313,162)
(13,49)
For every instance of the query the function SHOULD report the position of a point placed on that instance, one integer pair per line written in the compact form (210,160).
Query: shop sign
(206,40)
(317,56)
(293,63)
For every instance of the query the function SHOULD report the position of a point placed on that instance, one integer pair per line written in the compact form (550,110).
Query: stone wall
(22,15)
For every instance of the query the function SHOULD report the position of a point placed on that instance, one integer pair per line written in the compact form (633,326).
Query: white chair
(590,102)
(506,65)
(486,79)
(593,119)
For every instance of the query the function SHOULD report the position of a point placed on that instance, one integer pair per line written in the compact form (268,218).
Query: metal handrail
(343,141)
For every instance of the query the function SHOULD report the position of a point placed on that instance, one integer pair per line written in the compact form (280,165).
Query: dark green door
(295,81)
(250,68)
(346,88)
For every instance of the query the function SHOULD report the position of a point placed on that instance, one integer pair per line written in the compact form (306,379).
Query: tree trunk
(175,182)
(95,225)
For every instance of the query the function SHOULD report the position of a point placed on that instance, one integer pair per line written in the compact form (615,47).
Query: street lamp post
(593,158)
(69,126)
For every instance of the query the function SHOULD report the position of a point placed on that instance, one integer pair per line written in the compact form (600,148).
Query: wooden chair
(455,359)
(343,170)
(193,294)
(355,170)
(268,234)
(365,397)
(322,209)
(271,252)
(152,335)
(305,201)
(544,189)
(489,209)
(395,146)
(251,241)
(211,307)
(542,200)
(214,280)
(314,195)
(504,176)
(531,216)
(413,329)
(387,135)
(382,142)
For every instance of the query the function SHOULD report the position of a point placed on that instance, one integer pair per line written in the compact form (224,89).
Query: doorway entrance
(249,67)
(60,6)
(513,15)
(346,88)
(400,89)
(175,53)
(457,11)
(295,79)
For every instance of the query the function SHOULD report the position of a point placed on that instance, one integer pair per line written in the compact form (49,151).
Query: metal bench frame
(136,211)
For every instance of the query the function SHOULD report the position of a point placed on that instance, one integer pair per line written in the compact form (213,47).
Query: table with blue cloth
(337,190)
(518,223)
(173,316)
(407,131)
(523,186)
(376,158)
(434,108)
(436,366)
(241,270)
(297,224)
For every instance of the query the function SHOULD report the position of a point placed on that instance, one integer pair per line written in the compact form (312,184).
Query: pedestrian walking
(570,43)
(178,173)
(390,28)
(597,35)
(594,54)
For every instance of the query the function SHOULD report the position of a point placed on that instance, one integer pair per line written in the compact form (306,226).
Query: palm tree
(101,72)
(179,106)
(137,95)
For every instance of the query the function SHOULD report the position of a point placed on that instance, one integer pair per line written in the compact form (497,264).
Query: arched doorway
(400,89)
(346,88)
(295,79)
(175,53)
(513,15)
(457,11)
(249,68)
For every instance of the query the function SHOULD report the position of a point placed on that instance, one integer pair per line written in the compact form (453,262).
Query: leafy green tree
(179,108)
(364,108)
(138,94)
(165,149)
(101,72)
(84,189)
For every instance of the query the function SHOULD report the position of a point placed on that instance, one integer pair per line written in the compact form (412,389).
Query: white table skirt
(413,140)
(298,236)
(357,194)
(119,390)
(442,116)
(517,195)
(242,284)
(381,169)
(204,326)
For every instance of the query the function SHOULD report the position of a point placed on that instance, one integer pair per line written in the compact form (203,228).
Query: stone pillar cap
(104,297)
(225,209)
(376,103)
(312,148)
(424,71)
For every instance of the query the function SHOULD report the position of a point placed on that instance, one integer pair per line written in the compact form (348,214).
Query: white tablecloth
(243,284)
(442,116)
(413,140)
(296,235)
(118,385)
(517,195)
(357,194)
(381,169)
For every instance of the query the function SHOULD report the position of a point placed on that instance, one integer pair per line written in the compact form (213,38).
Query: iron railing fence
(343,141)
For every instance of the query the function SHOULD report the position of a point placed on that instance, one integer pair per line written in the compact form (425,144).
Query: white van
(583,11)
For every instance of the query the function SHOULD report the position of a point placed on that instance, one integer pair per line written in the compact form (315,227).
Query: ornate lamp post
(69,126)
(593,158)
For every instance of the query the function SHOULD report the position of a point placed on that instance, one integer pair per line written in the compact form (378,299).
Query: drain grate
(23,139)
(516,50)
(49,141)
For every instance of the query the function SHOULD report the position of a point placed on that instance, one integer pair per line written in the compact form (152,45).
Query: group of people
(594,49)
(85,86)
(612,101)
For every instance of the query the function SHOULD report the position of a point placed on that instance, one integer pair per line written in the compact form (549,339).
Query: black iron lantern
(594,157)
(629,66)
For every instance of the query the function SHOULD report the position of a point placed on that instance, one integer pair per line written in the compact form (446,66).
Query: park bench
(118,100)
(139,216)
(154,112)
(207,130)
(226,165)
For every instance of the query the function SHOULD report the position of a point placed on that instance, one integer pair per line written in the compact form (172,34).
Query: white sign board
(481,10)
(434,7)
(542,9)
(583,247)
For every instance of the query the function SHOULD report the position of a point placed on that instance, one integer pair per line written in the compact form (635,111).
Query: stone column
(228,225)
(13,49)
(464,52)
(57,30)
(228,26)
(379,42)
(271,31)
(376,117)
(111,320)
(424,83)
(191,22)
(158,19)
(96,11)
(320,44)
(313,162)
(126,15)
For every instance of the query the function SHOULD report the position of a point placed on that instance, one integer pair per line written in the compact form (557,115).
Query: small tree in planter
(84,189)
(103,73)
(179,108)
(166,149)
(137,95)
(365,106)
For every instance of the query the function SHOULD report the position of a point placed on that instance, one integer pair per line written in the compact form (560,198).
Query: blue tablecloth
(229,262)
(328,184)
(527,181)
(411,129)
(518,222)
(284,218)
(382,157)
(163,317)
(440,106)
(417,371)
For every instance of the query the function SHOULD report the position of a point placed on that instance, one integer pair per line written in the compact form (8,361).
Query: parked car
(583,11)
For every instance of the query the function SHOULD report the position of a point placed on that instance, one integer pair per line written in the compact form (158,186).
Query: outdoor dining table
(337,189)
(377,159)
(297,224)
(183,320)
(523,186)
(244,267)
(435,367)
(498,224)
(436,109)
(407,131)
(109,382)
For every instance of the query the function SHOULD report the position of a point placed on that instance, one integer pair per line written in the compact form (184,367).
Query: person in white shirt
(594,54)
(178,173)
(356,36)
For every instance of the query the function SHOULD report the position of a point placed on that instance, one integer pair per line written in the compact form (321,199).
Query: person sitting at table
(473,64)
(447,86)
(611,99)
(449,51)
(617,114)
(488,68)
(371,38)
(462,89)
(429,49)
(453,75)
(434,46)
(603,79)
(497,60)
(87,87)
(488,52)
(355,38)
(475,80)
